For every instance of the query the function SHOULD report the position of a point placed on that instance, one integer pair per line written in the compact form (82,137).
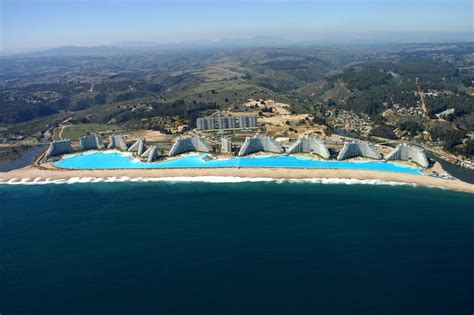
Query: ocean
(235,248)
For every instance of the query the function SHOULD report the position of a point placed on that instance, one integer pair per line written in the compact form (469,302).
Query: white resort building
(307,144)
(139,146)
(226,145)
(405,152)
(117,142)
(91,143)
(151,154)
(358,149)
(59,147)
(260,143)
(189,144)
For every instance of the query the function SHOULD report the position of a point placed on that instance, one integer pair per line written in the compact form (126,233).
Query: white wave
(202,179)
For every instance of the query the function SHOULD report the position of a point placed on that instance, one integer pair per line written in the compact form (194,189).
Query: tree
(100,99)
(469,148)
(412,126)
(82,104)
(467,82)
(330,103)
(383,131)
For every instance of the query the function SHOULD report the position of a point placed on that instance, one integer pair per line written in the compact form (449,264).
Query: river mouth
(461,173)
(27,158)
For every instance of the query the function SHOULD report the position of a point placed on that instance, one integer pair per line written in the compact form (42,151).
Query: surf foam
(201,179)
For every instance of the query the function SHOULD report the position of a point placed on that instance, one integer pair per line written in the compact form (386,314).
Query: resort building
(190,144)
(117,142)
(228,122)
(151,154)
(226,145)
(139,146)
(59,147)
(310,145)
(247,121)
(91,143)
(357,149)
(405,152)
(260,143)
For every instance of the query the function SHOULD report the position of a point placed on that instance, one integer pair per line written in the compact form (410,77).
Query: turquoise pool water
(108,160)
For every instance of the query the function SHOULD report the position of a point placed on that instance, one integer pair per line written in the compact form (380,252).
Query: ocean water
(236,248)
(104,160)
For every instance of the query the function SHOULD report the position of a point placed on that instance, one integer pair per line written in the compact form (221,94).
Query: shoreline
(32,174)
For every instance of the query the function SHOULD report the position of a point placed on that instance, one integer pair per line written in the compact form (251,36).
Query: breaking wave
(200,179)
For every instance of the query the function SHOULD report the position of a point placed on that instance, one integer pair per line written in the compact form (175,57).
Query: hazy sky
(46,23)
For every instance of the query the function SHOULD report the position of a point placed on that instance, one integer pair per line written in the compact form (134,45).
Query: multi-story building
(226,122)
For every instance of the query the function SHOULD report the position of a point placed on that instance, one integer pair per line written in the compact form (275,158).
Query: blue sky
(47,23)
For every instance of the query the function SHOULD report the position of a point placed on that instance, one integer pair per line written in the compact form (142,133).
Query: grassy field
(215,91)
(338,93)
(74,132)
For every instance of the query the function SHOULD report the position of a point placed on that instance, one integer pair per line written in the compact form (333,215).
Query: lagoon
(120,160)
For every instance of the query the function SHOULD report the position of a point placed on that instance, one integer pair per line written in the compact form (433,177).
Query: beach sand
(40,174)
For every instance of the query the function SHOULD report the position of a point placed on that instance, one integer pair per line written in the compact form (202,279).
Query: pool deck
(42,173)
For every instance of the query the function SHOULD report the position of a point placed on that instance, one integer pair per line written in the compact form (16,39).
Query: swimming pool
(114,160)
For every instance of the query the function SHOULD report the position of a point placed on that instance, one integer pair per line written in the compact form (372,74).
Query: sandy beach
(31,173)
